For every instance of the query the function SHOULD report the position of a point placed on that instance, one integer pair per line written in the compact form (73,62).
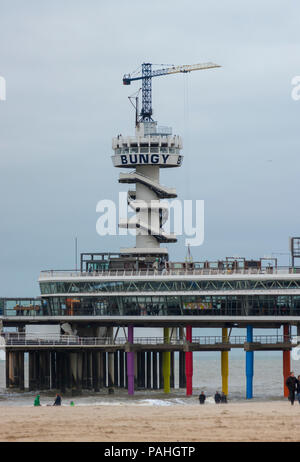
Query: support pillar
(182,378)
(95,364)
(249,365)
(37,370)
(166,362)
(47,370)
(53,370)
(148,369)
(79,371)
(172,370)
(224,363)
(102,383)
(69,378)
(11,377)
(62,372)
(143,369)
(130,363)
(89,370)
(125,376)
(73,361)
(116,368)
(111,378)
(154,370)
(122,383)
(286,356)
(21,369)
(189,364)
(160,371)
(7,369)
(41,370)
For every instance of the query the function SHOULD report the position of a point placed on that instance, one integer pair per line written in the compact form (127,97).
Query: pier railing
(173,272)
(20,339)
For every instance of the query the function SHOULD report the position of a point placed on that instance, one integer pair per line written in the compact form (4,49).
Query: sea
(267,384)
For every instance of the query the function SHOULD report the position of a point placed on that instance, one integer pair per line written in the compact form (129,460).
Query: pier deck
(21,342)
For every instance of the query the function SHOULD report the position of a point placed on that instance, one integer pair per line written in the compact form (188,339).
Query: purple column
(130,363)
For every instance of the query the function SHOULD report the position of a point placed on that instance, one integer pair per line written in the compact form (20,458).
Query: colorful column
(286,356)
(189,364)
(224,363)
(130,363)
(249,365)
(166,362)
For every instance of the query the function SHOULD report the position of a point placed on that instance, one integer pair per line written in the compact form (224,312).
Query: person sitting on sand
(223,397)
(202,397)
(57,401)
(217,397)
(291,383)
(37,401)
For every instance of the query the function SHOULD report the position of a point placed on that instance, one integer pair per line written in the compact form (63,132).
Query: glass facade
(22,306)
(160,298)
(172,305)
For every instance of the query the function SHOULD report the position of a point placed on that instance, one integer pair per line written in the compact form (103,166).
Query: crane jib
(148,73)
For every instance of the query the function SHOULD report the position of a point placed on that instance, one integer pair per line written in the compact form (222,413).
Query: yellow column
(224,363)
(166,362)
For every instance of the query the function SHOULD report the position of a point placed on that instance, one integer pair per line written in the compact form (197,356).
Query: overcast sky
(63,63)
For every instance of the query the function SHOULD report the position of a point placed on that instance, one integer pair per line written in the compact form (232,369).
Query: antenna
(135,97)
(189,258)
(76,253)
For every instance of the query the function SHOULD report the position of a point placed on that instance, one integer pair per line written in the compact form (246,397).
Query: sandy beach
(245,421)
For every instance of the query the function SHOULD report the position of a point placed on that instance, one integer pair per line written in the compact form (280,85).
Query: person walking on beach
(291,383)
(202,398)
(217,398)
(57,401)
(223,397)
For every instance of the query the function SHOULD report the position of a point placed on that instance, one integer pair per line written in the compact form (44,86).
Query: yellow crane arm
(192,67)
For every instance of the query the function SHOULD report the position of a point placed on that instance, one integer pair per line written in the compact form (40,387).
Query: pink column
(286,356)
(189,364)
(130,363)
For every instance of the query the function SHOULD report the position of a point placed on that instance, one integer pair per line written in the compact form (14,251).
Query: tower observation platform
(141,287)
(147,152)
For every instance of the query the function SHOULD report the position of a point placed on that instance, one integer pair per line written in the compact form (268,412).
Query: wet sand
(245,421)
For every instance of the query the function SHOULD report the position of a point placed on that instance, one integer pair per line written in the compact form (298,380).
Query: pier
(80,333)
(73,363)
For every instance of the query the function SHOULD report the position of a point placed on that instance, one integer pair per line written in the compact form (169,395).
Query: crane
(146,77)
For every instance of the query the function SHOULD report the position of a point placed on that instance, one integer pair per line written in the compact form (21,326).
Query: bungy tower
(151,149)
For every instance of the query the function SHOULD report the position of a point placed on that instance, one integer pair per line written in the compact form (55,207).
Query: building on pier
(142,287)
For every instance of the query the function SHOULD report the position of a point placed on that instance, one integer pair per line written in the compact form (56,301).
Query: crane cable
(186,130)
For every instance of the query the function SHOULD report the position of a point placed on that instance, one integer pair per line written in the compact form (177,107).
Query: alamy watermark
(2,89)
(296,88)
(183,217)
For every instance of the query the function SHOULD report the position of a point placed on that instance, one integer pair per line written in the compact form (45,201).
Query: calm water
(268,384)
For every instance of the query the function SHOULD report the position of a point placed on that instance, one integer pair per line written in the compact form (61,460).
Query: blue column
(249,365)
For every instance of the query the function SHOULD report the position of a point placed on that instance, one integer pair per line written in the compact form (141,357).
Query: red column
(189,364)
(286,361)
